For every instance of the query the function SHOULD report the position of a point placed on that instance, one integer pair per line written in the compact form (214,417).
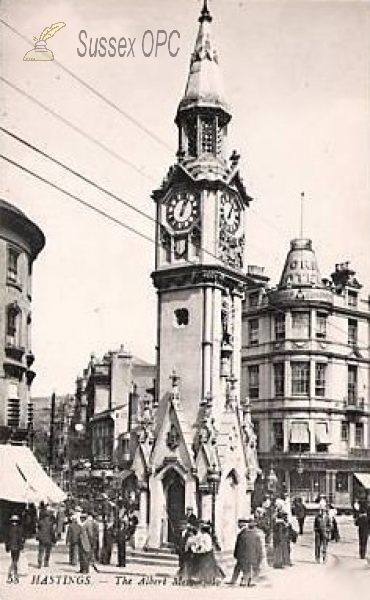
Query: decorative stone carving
(231,395)
(175,394)
(207,431)
(250,439)
(231,249)
(227,318)
(181,247)
(173,438)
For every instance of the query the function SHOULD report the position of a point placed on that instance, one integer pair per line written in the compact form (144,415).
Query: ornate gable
(173,440)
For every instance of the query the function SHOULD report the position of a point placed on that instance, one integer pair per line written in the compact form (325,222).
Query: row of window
(13,328)
(322,441)
(300,380)
(300,328)
(352,299)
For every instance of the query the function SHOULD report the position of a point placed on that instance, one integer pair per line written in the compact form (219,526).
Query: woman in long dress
(278,539)
(204,569)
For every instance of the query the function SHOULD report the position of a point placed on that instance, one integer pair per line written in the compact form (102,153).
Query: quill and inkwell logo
(40,51)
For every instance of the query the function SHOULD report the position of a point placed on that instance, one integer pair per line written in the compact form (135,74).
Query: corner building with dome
(306,371)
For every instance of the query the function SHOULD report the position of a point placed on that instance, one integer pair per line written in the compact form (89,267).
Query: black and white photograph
(185,299)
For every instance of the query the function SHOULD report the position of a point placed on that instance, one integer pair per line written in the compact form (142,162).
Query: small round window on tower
(181,317)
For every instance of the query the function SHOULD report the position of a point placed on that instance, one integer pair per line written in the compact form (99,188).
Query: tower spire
(205,15)
(204,86)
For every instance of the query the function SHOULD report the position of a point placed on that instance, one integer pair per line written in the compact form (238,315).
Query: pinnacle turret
(301,268)
(204,86)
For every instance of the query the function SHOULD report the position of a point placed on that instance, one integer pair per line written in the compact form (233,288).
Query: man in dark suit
(14,543)
(362,520)
(46,536)
(247,552)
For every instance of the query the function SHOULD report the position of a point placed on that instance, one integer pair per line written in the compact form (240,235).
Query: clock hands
(229,215)
(184,204)
(182,211)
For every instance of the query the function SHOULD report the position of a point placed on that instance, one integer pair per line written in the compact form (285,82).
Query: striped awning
(299,432)
(322,434)
(364,479)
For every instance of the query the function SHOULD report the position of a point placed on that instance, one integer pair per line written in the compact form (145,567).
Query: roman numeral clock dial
(230,213)
(182,211)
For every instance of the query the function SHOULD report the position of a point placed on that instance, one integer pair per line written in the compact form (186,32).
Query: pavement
(343,577)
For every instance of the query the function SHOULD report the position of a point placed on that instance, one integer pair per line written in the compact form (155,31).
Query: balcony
(360,453)
(13,350)
(354,405)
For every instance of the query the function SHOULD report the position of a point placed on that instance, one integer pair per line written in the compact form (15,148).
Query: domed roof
(13,219)
(301,268)
(10,207)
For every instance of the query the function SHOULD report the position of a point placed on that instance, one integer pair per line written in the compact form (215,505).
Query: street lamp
(214,481)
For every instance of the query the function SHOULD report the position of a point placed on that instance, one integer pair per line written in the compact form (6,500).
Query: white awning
(299,433)
(22,479)
(364,479)
(322,434)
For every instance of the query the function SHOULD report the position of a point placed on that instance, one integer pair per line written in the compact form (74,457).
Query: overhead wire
(90,138)
(123,113)
(77,129)
(115,197)
(94,91)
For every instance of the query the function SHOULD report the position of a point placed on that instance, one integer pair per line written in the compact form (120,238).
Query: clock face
(230,213)
(182,210)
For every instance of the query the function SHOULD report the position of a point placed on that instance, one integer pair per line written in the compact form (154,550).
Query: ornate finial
(205,15)
(234,159)
(174,378)
(175,395)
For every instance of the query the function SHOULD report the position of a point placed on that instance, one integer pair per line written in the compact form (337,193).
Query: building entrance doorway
(175,503)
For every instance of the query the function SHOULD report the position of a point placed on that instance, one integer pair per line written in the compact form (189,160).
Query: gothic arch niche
(174,490)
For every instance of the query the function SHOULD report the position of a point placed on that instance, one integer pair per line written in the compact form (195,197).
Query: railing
(360,452)
(353,402)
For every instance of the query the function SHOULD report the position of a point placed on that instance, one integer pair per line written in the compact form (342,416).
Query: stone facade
(20,243)
(306,370)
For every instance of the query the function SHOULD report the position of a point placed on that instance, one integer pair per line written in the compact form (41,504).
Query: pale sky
(296,75)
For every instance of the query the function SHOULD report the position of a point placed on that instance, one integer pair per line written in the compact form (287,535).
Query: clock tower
(203,453)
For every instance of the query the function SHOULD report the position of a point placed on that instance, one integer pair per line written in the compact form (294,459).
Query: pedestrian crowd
(264,539)
(89,536)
